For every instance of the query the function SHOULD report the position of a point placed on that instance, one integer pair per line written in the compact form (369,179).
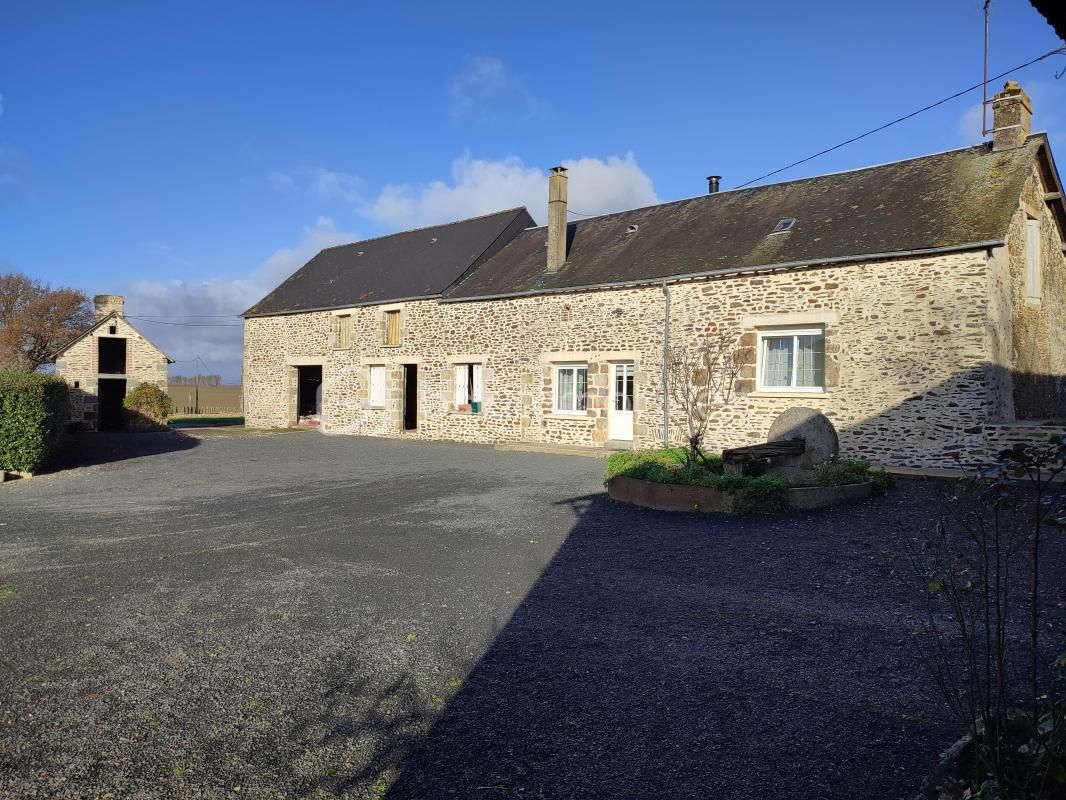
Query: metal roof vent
(359,253)
(784,226)
(632,229)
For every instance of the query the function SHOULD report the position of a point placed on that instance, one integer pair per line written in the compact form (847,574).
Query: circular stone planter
(673,497)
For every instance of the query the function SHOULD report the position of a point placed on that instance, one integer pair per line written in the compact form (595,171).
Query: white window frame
(473,394)
(779,333)
(1034,274)
(383,399)
(574,367)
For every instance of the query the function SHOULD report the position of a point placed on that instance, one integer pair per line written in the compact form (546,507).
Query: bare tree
(703,380)
(36,319)
(979,571)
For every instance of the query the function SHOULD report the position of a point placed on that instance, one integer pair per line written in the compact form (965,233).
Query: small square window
(392,327)
(784,226)
(112,329)
(792,360)
(77,384)
(571,389)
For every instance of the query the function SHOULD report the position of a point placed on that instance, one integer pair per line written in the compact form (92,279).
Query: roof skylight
(784,226)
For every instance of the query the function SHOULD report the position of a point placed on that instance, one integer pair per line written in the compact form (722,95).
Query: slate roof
(402,266)
(954,200)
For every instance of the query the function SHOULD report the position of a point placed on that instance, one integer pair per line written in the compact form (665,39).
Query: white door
(620,412)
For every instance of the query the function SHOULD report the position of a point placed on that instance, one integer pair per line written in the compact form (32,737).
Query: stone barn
(105,362)
(920,305)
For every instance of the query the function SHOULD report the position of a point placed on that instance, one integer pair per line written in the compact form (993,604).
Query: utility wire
(188,324)
(1057,51)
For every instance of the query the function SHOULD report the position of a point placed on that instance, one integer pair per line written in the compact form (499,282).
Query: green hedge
(34,414)
(147,407)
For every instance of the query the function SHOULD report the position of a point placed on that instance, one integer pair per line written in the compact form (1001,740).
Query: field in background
(216,400)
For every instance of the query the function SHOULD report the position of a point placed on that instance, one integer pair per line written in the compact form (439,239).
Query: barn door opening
(410,397)
(309,394)
(111,392)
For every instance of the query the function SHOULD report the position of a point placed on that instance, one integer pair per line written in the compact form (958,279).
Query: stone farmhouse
(921,305)
(105,362)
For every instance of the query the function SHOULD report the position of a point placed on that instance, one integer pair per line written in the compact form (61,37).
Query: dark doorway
(309,392)
(111,392)
(112,356)
(410,397)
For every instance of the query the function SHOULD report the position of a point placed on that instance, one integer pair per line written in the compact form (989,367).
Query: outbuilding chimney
(106,303)
(556,218)
(1012,117)
(712,183)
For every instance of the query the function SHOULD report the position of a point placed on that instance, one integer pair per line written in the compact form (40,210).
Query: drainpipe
(666,366)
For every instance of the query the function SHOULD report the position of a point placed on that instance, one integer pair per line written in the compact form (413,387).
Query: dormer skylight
(784,226)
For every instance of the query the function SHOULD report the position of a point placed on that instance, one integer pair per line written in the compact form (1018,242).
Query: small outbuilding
(105,362)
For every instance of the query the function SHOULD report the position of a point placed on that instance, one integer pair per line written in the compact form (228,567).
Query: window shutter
(478,383)
(462,389)
(336,330)
(377,386)
(1033,277)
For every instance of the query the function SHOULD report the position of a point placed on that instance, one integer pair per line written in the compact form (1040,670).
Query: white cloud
(326,185)
(596,186)
(484,90)
(217,302)
(970,125)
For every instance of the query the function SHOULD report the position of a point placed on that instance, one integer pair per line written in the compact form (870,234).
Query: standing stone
(814,428)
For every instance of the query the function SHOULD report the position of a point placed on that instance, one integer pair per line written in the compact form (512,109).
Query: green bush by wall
(34,414)
(147,407)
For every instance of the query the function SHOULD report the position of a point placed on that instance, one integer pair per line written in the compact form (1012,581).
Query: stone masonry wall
(145,363)
(909,377)
(1038,346)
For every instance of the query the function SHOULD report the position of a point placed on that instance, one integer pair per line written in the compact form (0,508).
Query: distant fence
(213,399)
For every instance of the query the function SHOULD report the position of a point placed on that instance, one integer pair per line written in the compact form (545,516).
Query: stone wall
(910,380)
(78,366)
(1038,346)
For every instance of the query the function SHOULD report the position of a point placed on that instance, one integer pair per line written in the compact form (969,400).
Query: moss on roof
(954,199)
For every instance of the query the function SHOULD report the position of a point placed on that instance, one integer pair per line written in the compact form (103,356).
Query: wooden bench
(737,459)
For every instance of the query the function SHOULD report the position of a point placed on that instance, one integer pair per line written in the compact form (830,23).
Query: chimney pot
(712,183)
(1012,117)
(106,303)
(556,218)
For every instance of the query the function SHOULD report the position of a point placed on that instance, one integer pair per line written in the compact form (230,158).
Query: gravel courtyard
(298,615)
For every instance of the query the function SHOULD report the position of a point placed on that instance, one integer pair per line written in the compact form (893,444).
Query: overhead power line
(187,324)
(1049,54)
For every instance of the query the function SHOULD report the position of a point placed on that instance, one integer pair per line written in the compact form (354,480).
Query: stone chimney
(556,218)
(106,303)
(1012,117)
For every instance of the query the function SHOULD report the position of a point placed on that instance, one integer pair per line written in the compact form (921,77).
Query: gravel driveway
(298,615)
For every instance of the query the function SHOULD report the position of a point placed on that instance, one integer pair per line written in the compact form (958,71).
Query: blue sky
(191,155)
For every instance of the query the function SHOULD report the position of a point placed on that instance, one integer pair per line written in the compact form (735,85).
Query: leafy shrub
(34,413)
(766,494)
(839,471)
(147,407)
(634,463)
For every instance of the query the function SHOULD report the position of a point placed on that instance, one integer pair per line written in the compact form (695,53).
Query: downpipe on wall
(666,365)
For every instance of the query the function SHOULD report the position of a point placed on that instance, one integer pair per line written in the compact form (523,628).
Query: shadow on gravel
(690,656)
(89,449)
